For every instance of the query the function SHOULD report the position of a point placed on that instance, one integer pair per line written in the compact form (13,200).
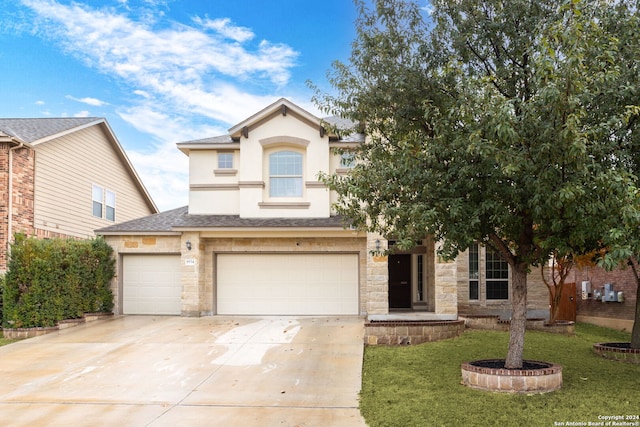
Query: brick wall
(621,279)
(22,197)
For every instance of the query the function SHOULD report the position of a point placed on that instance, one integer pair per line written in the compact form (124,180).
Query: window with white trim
(225,160)
(285,174)
(97,195)
(103,203)
(110,205)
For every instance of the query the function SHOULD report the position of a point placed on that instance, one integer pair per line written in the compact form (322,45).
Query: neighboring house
(610,311)
(259,238)
(64,177)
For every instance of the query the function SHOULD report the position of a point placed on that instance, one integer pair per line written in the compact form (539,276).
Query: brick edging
(21,333)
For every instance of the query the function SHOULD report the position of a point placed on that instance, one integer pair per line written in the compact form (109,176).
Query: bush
(52,280)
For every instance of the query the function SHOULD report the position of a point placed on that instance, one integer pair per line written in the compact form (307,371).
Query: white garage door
(287,284)
(151,284)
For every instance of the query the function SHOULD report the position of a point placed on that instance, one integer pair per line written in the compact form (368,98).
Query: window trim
(225,160)
(107,208)
(97,200)
(483,281)
(296,178)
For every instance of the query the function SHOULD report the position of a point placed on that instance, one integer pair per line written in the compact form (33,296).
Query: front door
(400,281)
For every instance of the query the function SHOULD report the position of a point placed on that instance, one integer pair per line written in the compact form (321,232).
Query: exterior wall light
(377,245)
(188,245)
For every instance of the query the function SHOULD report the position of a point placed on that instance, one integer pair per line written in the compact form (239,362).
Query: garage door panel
(287,284)
(151,284)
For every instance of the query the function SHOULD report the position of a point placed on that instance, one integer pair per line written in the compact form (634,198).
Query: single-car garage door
(287,284)
(151,284)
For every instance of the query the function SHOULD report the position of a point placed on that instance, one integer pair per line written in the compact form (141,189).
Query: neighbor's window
(225,160)
(285,174)
(474,272)
(97,196)
(104,203)
(110,205)
(347,160)
(497,273)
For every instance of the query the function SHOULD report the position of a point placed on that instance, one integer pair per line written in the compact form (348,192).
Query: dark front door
(400,281)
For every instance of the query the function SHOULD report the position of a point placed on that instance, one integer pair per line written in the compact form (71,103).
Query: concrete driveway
(174,371)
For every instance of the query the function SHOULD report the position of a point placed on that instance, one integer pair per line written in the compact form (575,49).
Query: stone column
(377,276)
(192,276)
(446,287)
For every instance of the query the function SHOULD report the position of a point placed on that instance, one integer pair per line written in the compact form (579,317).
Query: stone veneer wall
(537,292)
(123,245)
(445,285)
(377,276)
(411,332)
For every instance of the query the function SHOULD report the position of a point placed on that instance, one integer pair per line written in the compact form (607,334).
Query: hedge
(57,279)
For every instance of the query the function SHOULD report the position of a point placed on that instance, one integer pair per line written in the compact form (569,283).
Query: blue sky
(165,71)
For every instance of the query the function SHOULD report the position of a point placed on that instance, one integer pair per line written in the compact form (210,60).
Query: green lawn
(5,341)
(420,385)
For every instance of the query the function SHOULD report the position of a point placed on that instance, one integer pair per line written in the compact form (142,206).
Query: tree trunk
(518,317)
(556,299)
(635,332)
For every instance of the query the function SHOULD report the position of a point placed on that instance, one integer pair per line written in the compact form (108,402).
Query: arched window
(285,174)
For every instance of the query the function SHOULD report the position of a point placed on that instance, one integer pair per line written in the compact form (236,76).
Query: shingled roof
(177,219)
(33,129)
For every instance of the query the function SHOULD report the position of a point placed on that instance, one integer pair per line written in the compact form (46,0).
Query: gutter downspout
(10,195)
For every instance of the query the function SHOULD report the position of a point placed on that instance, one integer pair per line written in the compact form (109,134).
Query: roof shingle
(180,218)
(30,130)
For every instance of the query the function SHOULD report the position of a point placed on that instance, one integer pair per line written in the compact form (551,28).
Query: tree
(480,128)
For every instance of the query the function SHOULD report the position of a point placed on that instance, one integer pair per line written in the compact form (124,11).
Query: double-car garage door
(249,284)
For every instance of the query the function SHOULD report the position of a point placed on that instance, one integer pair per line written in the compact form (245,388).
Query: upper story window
(225,160)
(110,205)
(104,203)
(285,174)
(347,160)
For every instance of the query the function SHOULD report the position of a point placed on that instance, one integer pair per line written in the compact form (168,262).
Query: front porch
(414,285)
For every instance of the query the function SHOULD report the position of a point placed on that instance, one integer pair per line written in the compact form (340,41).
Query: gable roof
(176,220)
(34,131)
(282,106)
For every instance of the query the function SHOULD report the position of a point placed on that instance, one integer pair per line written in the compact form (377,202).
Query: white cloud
(89,101)
(39,102)
(83,113)
(224,27)
(189,81)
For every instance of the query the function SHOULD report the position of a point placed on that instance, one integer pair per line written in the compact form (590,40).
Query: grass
(420,385)
(5,341)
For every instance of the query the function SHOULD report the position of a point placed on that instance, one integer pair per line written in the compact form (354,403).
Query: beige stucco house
(64,177)
(259,237)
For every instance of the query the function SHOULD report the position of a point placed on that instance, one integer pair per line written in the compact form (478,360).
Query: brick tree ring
(490,375)
(618,351)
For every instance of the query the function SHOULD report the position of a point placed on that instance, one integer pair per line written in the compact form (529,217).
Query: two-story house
(64,177)
(259,236)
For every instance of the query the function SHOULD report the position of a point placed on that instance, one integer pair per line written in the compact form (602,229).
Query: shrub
(52,280)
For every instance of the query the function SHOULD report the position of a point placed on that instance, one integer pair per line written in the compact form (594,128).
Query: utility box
(586,289)
(609,295)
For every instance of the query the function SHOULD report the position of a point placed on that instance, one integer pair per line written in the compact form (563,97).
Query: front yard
(420,385)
